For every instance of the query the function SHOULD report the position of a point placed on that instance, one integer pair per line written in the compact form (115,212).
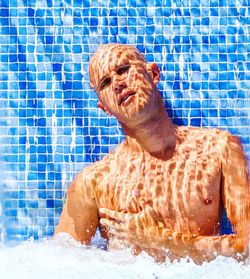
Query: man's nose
(119,85)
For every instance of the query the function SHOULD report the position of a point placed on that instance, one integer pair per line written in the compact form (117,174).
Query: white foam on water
(65,258)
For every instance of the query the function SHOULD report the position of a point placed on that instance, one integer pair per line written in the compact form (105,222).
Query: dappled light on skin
(180,198)
(163,189)
(136,80)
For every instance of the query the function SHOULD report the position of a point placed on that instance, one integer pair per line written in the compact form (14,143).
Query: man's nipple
(207,201)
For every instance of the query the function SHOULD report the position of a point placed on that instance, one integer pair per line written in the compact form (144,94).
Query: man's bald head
(108,55)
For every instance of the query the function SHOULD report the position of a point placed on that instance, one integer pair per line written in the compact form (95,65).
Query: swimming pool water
(65,258)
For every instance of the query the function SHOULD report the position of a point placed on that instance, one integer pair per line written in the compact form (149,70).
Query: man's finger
(118,216)
(111,224)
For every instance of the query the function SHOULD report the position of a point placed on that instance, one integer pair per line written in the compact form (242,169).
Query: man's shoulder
(101,166)
(214,139)
(204,133)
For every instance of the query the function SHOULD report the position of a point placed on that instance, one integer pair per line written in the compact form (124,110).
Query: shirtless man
(163,188)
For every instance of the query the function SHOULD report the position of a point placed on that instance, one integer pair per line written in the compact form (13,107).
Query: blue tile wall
(50,127)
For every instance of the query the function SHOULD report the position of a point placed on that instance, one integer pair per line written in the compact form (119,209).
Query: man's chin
(133,121)
(134,114)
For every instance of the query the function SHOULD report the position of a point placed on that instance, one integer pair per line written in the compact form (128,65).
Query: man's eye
(123,69)
(105,83)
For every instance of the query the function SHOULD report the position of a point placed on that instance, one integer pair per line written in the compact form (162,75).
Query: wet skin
(164,187)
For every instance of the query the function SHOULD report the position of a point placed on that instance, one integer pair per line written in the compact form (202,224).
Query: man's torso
(183,191)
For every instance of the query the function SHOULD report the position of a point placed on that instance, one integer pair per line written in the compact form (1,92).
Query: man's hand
(139,230)
(143,229)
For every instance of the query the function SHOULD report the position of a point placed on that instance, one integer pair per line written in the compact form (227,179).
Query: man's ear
(101,106)
(154,72)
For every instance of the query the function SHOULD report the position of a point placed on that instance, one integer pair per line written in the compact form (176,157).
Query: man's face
(124,82)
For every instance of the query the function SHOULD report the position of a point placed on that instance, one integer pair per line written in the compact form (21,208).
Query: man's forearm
(197,247)
(209,247)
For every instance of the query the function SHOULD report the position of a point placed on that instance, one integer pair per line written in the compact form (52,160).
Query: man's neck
(156,136)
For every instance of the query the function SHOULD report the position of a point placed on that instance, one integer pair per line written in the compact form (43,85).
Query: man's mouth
(124,98)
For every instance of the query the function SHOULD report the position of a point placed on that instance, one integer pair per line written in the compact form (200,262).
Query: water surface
(66,258)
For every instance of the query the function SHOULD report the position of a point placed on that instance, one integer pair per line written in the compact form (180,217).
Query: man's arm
(79,217)
(235,191)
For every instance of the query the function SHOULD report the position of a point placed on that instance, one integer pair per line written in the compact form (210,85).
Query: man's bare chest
(175,189)
(146,178)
